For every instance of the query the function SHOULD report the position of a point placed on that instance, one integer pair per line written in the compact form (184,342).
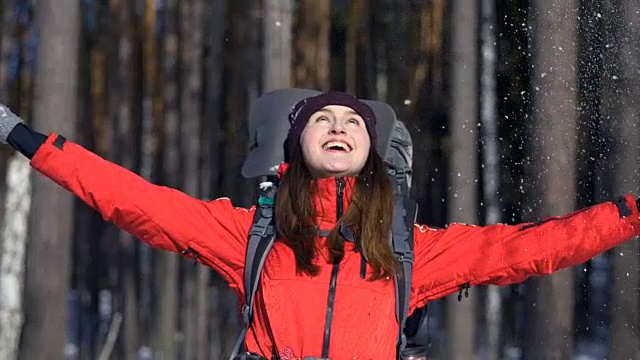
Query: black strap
(404,212)
(344,231)
(261,238)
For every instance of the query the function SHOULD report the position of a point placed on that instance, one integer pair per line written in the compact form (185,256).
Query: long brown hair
(369,217)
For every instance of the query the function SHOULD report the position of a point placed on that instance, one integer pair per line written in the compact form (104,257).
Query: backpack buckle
(246,314)
(405,257)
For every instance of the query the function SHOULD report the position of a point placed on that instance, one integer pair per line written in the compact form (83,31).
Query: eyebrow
(348,112)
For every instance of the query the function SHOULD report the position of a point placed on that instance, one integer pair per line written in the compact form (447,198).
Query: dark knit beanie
(303,110)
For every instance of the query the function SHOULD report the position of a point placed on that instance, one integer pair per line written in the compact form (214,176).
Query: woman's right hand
(8,121)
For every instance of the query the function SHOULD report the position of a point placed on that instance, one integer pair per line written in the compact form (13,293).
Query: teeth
(336,144)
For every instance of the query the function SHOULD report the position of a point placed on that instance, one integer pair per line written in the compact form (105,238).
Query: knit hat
(303,110)
(268,127)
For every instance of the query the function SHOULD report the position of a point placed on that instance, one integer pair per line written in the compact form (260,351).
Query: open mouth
(338,146)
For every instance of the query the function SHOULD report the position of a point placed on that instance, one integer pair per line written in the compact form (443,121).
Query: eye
(354,121)
(322,118)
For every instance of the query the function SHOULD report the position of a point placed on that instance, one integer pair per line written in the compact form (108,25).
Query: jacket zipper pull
(340,195)
(464,287)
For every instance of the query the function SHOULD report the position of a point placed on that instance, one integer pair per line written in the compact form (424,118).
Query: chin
(327,173)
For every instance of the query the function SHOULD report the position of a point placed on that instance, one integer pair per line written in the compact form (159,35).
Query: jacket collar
(326,200)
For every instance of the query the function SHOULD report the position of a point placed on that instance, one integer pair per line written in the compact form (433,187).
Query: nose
(336,128)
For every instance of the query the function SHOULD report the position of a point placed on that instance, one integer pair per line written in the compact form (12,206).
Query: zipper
(334,274)
(340,194)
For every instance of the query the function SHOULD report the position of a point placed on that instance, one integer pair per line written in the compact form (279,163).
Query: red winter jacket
(290,309)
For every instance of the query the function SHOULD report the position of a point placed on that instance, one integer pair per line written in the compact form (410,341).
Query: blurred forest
(518,110)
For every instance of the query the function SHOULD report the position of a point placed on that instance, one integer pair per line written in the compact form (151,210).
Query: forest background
(518,110)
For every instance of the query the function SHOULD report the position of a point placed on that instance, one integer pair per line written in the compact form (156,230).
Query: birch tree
(12,248)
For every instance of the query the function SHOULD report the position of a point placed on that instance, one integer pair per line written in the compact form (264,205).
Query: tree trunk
(165,270)
(552,170)
(194,285)
(122,95)
(243,61)
(51,221)
(354,28)
(621,108)
(427,89)
(490,163)
(243,67)
(159,283)
(277,44)
(463,174)
(211,139)
(212,125)
(398,57)
(312,45)
(12,250)
(7,44)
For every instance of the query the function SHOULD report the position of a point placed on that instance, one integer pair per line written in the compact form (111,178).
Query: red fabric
(364,324)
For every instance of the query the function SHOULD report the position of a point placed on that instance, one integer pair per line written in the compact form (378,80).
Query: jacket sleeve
(448,260)
(214,232)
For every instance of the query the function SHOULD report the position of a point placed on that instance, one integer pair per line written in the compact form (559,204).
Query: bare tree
(12,250)
(428,99)
(490,162)
(51,214)
(312,44)
(397,56)
(277,23)
(211,138)
(620,106)
(354,29)
(463,173)
(195,278)
(7,43)
(122,95)
(151,133)
(552,173)
(165,309)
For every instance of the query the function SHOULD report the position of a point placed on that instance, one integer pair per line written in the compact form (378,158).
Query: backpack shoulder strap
(261,238)
(404,212)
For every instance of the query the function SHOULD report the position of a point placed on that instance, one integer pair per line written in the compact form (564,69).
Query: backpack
(268,128)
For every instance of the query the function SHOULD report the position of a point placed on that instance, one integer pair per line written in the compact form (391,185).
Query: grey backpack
(268,127)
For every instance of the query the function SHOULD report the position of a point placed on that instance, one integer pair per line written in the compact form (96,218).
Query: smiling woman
(335,223)
(335,142)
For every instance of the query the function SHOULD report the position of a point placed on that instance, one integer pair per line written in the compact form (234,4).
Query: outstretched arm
(448,260)
(165,218)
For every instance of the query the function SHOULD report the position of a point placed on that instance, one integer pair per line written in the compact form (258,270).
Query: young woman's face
(335,142)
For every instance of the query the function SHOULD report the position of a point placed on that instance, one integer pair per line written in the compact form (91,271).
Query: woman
(332,175)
